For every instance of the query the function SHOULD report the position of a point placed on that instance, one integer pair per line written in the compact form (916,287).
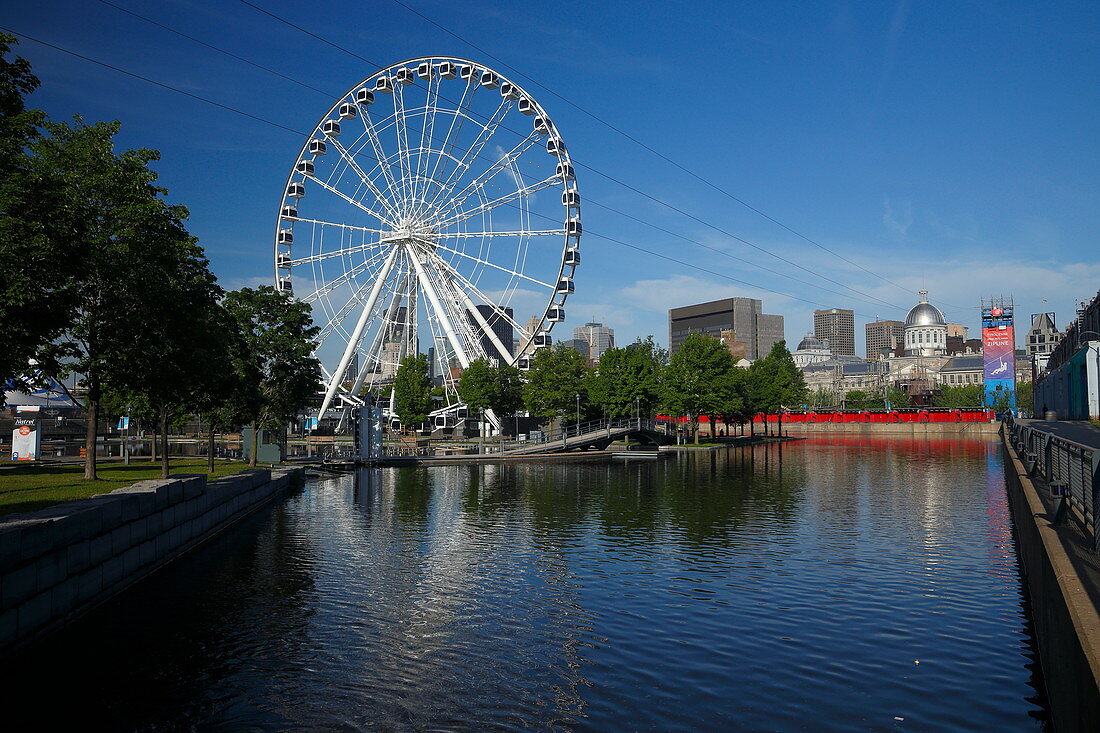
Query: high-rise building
(1041,339)
(884,337)
(759,331)
(501,326)
(392,341)
(534,323)
(838,327)
(599,338)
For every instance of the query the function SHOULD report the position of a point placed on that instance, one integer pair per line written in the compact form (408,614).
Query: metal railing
(594,428)
(1070,470)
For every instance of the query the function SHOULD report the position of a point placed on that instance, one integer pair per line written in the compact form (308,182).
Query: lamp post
(578,412)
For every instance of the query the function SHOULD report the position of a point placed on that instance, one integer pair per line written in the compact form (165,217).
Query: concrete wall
(932,429)
(57,563)
(1067,624)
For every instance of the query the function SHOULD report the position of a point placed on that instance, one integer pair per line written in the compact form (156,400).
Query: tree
(487,387)
(629,378)
(412,390)
(776,382)
(963,395)
(555,378)
(37,267)
(697,381)
(277,334)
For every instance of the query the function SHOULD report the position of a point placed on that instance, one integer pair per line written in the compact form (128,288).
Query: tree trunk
(164,441)
(92,431)
(210,449)
(255,446)
(695,430)
(779,423)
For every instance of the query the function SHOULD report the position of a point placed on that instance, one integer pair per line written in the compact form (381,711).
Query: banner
(999,348)
(26,439)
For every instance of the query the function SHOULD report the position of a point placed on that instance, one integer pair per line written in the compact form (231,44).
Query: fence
(1071,471)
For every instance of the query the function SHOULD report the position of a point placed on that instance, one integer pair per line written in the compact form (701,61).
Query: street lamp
(578,410)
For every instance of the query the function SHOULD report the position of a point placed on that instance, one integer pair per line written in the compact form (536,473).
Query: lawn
(25,488)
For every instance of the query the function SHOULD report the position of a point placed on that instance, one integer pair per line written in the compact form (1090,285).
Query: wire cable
(301,133)
(607,176)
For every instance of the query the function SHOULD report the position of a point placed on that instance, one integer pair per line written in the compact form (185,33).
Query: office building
(883,338)
(837,326)
(501,327)
(743,316)
(1041,339)
(599,338)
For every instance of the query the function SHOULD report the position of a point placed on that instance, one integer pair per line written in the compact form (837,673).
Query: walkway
(1079,431)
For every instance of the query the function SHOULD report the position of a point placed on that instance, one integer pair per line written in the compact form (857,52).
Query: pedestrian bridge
(597,434)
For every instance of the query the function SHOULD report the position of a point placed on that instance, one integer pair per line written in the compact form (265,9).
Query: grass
(26,488)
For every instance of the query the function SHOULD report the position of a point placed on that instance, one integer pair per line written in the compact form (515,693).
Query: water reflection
(755,588)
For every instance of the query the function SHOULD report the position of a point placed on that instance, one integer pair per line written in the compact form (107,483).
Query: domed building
(811,350)
(925,329)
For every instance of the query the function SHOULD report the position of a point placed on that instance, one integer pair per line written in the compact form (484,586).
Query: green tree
(556,376)
(776,382)
(629,378)
(412,390)
(697,381)
(898,398)
(36,269)
(277,335)
(496,388)
(963,395)
(1025,398)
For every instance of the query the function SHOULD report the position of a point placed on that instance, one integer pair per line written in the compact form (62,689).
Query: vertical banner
(26,439)
(999,348)
(368,432)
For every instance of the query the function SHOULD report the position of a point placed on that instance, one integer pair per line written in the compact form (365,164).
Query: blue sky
(950,146)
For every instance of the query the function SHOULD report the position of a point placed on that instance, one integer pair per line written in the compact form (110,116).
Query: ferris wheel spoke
(350,160)
(348,227)
(349,199)
(337,282)
(493,265)
(342,252)
(427,129)
(497,166)
(464,284)
(371,132)
(401,128)
(451,138)
(500,201)
(517,233)
(485,133)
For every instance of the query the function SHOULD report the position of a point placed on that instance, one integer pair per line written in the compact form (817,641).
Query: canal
(834,583)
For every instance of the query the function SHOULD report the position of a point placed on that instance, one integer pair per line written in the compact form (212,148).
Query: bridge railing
(593,427)
(1070,470)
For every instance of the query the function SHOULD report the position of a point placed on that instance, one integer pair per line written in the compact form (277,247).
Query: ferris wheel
(433,209)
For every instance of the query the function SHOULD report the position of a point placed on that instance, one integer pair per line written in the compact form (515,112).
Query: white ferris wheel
(434,209)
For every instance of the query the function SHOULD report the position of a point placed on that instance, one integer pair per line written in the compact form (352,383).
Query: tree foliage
(963,395)
(487,387)
(556,376)
(629,378)
(412,390)
(276,335)
(698,380)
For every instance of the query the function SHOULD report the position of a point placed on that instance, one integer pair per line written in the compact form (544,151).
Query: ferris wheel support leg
(440,314)
(505,354)
(353,342)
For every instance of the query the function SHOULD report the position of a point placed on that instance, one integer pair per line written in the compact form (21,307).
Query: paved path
(1079,431)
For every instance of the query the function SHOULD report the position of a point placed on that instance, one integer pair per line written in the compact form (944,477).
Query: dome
(809,343)
(924,313)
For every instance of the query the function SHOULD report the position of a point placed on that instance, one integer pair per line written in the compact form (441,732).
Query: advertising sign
(999,348)
(26,439)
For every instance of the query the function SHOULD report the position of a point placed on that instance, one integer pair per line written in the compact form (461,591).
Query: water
(779,588)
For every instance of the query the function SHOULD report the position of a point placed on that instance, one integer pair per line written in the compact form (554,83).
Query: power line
(607,176)
(866,298)
(215,48)
(300,133)
(645,146)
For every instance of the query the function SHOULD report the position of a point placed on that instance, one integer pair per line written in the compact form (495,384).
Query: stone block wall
(57,563)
